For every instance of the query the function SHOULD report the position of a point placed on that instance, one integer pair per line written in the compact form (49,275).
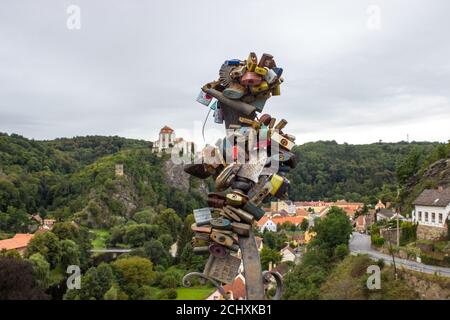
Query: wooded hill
(75,178)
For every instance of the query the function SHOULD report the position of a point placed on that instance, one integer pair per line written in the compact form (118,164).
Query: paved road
(360,243)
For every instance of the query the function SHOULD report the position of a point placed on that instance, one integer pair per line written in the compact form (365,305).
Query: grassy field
(101,237)
(196,293)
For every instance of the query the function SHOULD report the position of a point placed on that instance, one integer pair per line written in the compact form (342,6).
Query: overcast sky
(137,65)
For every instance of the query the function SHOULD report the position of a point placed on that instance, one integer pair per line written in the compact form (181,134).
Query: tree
(137,234)
(169,222)
(166,240)
(333,230)
(304,225)
(156,252)
(134,270)
(94,284)
(17,281)
(408,166)
(41,269)
(269,255)
(185,235)
(70,254)
(47,244)
(190,260)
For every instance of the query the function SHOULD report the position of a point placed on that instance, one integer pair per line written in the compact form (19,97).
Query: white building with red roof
(167,141)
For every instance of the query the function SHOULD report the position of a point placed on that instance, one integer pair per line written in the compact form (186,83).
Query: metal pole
(252,268)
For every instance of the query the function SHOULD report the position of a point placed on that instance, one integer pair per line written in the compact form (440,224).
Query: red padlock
(251,79)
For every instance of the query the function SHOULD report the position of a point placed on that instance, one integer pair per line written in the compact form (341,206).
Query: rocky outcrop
(177,178)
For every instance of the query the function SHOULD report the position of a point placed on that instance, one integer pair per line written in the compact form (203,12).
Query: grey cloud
(135,66)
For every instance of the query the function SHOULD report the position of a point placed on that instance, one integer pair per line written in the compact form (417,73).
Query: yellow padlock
(234,199)
(276,181)
(252,62)
(260,88)
(276,90)
(261,71)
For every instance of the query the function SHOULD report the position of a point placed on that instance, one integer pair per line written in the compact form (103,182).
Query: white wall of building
(424,215)
(269,226)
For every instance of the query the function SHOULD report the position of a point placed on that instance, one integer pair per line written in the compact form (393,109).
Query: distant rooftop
(433,197)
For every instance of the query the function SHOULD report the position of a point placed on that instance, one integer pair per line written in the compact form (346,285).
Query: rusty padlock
(236,198)
(282,141)
(243,215)
(222,239)
(227,213)
(218,250)
(238,72)
(201,250)
(241,229)
(267,61)
(226,177)
(261,193)
(280,125)
(203,229)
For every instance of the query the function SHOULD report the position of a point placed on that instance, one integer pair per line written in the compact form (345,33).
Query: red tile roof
(19,241)
(237,287)
(166,129)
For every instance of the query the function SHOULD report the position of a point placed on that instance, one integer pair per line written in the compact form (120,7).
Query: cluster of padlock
(250,81)
(240,189)
(242,183)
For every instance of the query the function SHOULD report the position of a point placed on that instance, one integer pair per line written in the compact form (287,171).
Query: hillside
(433,172)
(75,178)
(330,171)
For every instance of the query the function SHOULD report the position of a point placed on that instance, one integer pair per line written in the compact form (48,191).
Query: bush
(377,241)
(167,294)
(169,281)
(380,263)
(341,251)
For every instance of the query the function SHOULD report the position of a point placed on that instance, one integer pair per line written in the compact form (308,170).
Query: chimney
(440,188)
(270,265)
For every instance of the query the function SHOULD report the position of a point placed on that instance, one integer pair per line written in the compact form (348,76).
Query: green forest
(73,181)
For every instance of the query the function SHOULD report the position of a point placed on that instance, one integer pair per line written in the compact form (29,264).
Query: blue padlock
(278,71)
(233,62)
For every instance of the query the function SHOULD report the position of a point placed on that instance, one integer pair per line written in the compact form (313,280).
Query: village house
(19,243)
(431,212)
(234,290)
(289,254)
(388,214)
(269,223)
(287,206)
